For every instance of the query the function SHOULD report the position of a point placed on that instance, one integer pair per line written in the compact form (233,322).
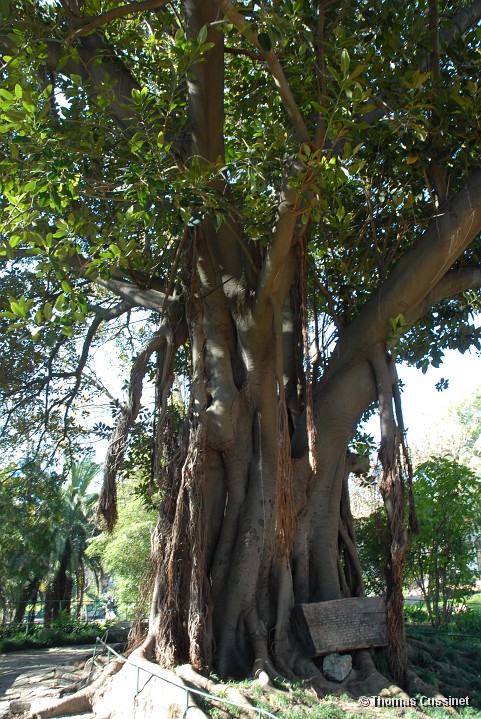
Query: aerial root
(189,675)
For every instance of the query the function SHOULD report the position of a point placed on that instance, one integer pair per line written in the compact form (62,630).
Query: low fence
(86,611)
(102,648)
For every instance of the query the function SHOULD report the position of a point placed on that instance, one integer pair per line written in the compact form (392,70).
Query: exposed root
(366,680)
(312,675)
(82,701)
(198,681)
(415,685)
(130,690)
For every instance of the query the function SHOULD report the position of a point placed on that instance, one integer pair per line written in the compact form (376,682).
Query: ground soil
(37,676)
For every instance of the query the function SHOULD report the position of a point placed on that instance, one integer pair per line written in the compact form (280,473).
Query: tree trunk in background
(28,596)
(58,596)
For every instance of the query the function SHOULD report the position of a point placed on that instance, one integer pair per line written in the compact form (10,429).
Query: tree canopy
(291,194)
(98,188)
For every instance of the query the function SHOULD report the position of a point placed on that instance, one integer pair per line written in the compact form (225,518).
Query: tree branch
(231,12)
(419,272)
(461,22)
(150,299)
(107,506)
(96,60)
(115,14)
(275,267)
(453,283)
(102,315)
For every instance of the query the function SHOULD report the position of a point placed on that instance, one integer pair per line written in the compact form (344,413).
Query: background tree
(468,417)
(442,557)
(70,560)
(29,513)
(124,554)
(246,173)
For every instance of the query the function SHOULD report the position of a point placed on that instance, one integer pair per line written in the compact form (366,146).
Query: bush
(62,632)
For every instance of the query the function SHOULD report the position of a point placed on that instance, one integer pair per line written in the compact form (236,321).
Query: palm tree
(70,560)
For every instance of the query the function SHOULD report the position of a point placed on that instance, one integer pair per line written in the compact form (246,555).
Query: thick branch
(420,271)
(149,299)
(135,295)
(461,22)
(96,61)
(107,506)
(275,265)
(453,283)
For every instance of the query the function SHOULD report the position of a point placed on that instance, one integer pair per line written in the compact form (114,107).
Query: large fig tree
(291,191)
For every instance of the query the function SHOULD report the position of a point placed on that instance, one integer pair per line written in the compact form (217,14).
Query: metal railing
(86,611)
(188,690)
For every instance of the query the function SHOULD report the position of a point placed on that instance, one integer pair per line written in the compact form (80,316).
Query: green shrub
(62,632)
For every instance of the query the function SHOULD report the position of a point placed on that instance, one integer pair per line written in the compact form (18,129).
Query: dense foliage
(441,561)
(442,558)
(95,195)
(124,554)
(46,520)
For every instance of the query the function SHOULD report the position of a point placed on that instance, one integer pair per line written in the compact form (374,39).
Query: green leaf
(7,94)
(47,311)
(202,36)
(345,60)
(60,303)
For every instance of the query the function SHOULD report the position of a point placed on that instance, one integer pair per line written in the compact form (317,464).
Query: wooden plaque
(340,625)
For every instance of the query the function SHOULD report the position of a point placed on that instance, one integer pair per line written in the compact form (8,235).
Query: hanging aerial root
(407,467)
(284,507)
(284,504)
(392,487)
(107,505)
(200,651)
(180,615)
(309,401)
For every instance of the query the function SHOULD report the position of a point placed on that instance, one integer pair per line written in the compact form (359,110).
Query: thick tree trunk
(246,529)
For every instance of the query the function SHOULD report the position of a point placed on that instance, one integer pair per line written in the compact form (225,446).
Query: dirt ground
(36,675)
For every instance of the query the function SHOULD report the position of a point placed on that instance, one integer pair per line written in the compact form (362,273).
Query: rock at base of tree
(337,667)
(18,707)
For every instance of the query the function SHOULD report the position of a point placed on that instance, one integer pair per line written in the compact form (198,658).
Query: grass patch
(451,664)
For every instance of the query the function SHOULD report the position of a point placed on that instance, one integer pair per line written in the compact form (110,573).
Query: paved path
(37,674)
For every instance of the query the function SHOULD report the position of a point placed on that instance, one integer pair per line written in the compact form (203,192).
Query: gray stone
(17,707)
(337,666)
